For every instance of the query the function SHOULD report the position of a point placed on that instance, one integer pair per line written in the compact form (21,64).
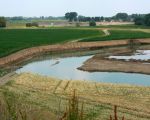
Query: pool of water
(138,55)
(66,68)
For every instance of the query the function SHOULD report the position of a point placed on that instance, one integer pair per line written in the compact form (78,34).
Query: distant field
(12,40)
(120,34)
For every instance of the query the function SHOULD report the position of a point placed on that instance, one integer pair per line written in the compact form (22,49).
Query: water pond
(66,68)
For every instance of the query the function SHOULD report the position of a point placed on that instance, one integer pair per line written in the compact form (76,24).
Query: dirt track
(27,53)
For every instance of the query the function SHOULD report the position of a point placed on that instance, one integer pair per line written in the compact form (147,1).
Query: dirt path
(28,53)
(107,33)
(6,78)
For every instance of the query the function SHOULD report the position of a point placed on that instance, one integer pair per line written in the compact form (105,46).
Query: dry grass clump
(73,111)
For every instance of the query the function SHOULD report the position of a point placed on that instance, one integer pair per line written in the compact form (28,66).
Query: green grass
(130,26)
(3,72)
(120,34)
(12,40)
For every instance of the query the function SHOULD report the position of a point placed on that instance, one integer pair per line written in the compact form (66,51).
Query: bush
(2,22)
(92,23)
(77,24)
(32,24)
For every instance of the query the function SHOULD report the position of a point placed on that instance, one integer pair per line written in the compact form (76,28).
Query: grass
(119,34)
(38,92)
(12,40)
(130,26)
(3,72)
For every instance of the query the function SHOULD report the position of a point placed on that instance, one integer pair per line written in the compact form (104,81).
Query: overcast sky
(83,7)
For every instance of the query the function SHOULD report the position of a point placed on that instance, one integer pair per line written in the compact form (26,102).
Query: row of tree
(142,20)
(73,16)
(139,19)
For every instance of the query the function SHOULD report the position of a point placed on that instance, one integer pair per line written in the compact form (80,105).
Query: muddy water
(66,68)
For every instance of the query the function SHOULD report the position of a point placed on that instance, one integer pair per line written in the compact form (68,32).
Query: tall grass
(73,112)
(116,115)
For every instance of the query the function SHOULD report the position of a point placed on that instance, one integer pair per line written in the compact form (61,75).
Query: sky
(31,8)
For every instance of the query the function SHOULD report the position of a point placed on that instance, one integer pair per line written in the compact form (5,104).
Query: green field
(129,26)
(12,40)
(120,34)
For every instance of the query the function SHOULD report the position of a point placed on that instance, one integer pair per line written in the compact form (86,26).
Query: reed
(116,115)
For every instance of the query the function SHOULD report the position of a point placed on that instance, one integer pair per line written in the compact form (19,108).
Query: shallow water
(139,55)
(66,68)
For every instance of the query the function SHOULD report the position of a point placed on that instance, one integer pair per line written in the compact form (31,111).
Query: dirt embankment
(95,64)
(103,63)
(27,53)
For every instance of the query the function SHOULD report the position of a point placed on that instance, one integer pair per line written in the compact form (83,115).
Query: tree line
(122,17)
(139,19)
(142,20)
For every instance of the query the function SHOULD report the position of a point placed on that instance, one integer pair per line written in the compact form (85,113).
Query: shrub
(77,24)
(73,111)
(35,24)
(92,23)
(2,22)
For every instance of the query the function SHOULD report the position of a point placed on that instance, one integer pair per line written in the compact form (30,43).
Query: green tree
(139,20)
(71,16)
(122,16)
(2,22)
(147,19)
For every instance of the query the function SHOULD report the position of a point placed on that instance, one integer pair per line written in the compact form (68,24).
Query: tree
(71,16)
(147,19)
(142,20)
(122,16)
(2,22)
(139,20)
